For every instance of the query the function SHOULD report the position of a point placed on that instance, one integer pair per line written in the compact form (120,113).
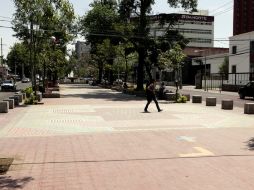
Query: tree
(173,59)
(55,18)
(18,59)
(223,68)
(141,39)
(97,26)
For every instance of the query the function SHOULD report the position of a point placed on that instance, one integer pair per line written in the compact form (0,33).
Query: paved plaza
(97,139)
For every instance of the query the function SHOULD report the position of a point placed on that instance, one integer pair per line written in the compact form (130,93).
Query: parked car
(247,90)
(25,80)
(8,85)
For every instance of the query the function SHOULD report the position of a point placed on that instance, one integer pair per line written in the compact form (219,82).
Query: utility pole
(2,52)
(1,61)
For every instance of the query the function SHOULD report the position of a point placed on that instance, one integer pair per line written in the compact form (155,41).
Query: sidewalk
(98,139)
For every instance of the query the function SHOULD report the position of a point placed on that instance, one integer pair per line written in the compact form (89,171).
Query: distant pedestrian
(150,95)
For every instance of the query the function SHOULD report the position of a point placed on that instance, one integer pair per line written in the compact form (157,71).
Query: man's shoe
(160,110)
(146,111)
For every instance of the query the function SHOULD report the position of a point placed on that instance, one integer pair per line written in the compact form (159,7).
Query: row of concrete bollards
(226,104)
(15,101)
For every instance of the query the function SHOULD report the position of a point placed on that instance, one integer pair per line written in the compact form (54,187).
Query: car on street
(247,90)
(8,85)
(25,80)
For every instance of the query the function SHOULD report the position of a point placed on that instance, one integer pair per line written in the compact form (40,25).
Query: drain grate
(5,164)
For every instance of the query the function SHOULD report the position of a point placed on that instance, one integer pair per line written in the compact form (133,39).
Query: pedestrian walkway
(96,139)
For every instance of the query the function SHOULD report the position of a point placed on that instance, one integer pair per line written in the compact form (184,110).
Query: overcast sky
(221,9)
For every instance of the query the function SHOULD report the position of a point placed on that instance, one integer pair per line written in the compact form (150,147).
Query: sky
(222,10)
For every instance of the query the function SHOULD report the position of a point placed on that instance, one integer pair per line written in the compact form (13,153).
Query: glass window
(251,46)
(234,49)
(233,68)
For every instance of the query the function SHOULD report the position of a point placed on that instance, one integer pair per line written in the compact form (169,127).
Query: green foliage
(18,56)
(55,18)
(223,68)
(31,100)
(28,91)
(172,58)
(182,99)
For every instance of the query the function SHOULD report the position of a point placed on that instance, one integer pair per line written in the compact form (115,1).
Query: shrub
(31,100)
(182,99)
(28,91)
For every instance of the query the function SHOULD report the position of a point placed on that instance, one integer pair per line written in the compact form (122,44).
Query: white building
(197,27)
(212,62)
(82,49)
(241,58)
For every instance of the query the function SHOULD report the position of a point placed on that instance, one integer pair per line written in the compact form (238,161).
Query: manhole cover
(5,164)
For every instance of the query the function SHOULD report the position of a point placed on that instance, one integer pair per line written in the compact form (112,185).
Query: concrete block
(39,96)
(187,96)
(16,100)
(210,101)
(20,97)
(196,99)
(4,107)
(227,104)
(249,108)
(24,96)
(170,96)
(11,103)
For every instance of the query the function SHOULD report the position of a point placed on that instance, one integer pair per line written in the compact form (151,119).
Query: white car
(8,85)
(25,80)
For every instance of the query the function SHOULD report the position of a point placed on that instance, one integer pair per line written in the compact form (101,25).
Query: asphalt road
(20,86)
(214,93)
(220,96)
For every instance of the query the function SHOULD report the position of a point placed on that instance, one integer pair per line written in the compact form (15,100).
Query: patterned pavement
(94,138)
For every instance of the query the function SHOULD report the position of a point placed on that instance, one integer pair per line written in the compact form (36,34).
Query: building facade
(241,57)
(241,53)
(243,16)
(82,49)
(198,28)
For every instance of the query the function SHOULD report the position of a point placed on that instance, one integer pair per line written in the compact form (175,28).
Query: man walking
(150,95)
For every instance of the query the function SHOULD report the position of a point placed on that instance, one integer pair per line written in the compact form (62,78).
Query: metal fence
(227,82)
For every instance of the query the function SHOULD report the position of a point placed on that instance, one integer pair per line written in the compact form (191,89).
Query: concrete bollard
(227,104)
(170,96)
(20,97)
(249,108)
(4,107)
(210,101)
(187,96)
(24,96)
(39,96)
(196,99)
(16,100)
(11,103)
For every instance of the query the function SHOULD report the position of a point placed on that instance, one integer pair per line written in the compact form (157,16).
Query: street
(212,93)
(20,86)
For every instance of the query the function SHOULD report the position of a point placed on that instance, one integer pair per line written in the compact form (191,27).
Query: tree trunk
(140,70)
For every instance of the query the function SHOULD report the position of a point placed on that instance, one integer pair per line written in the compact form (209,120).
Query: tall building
(82,49)
(197,27)
(243,16)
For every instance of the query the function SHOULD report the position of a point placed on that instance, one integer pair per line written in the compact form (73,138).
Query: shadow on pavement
(6,182)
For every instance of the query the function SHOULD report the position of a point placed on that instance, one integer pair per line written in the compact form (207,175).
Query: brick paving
(96,139)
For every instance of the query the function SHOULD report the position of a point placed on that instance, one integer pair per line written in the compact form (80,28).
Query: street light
(205,50)
(33,27)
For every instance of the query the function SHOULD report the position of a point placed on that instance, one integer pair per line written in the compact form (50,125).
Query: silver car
(8,85)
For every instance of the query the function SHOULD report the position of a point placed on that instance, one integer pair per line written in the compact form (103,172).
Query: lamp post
(205,50)
(32,57)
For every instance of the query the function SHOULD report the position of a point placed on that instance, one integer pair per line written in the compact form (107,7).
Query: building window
(233,68)
(251,46)
(234,49)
